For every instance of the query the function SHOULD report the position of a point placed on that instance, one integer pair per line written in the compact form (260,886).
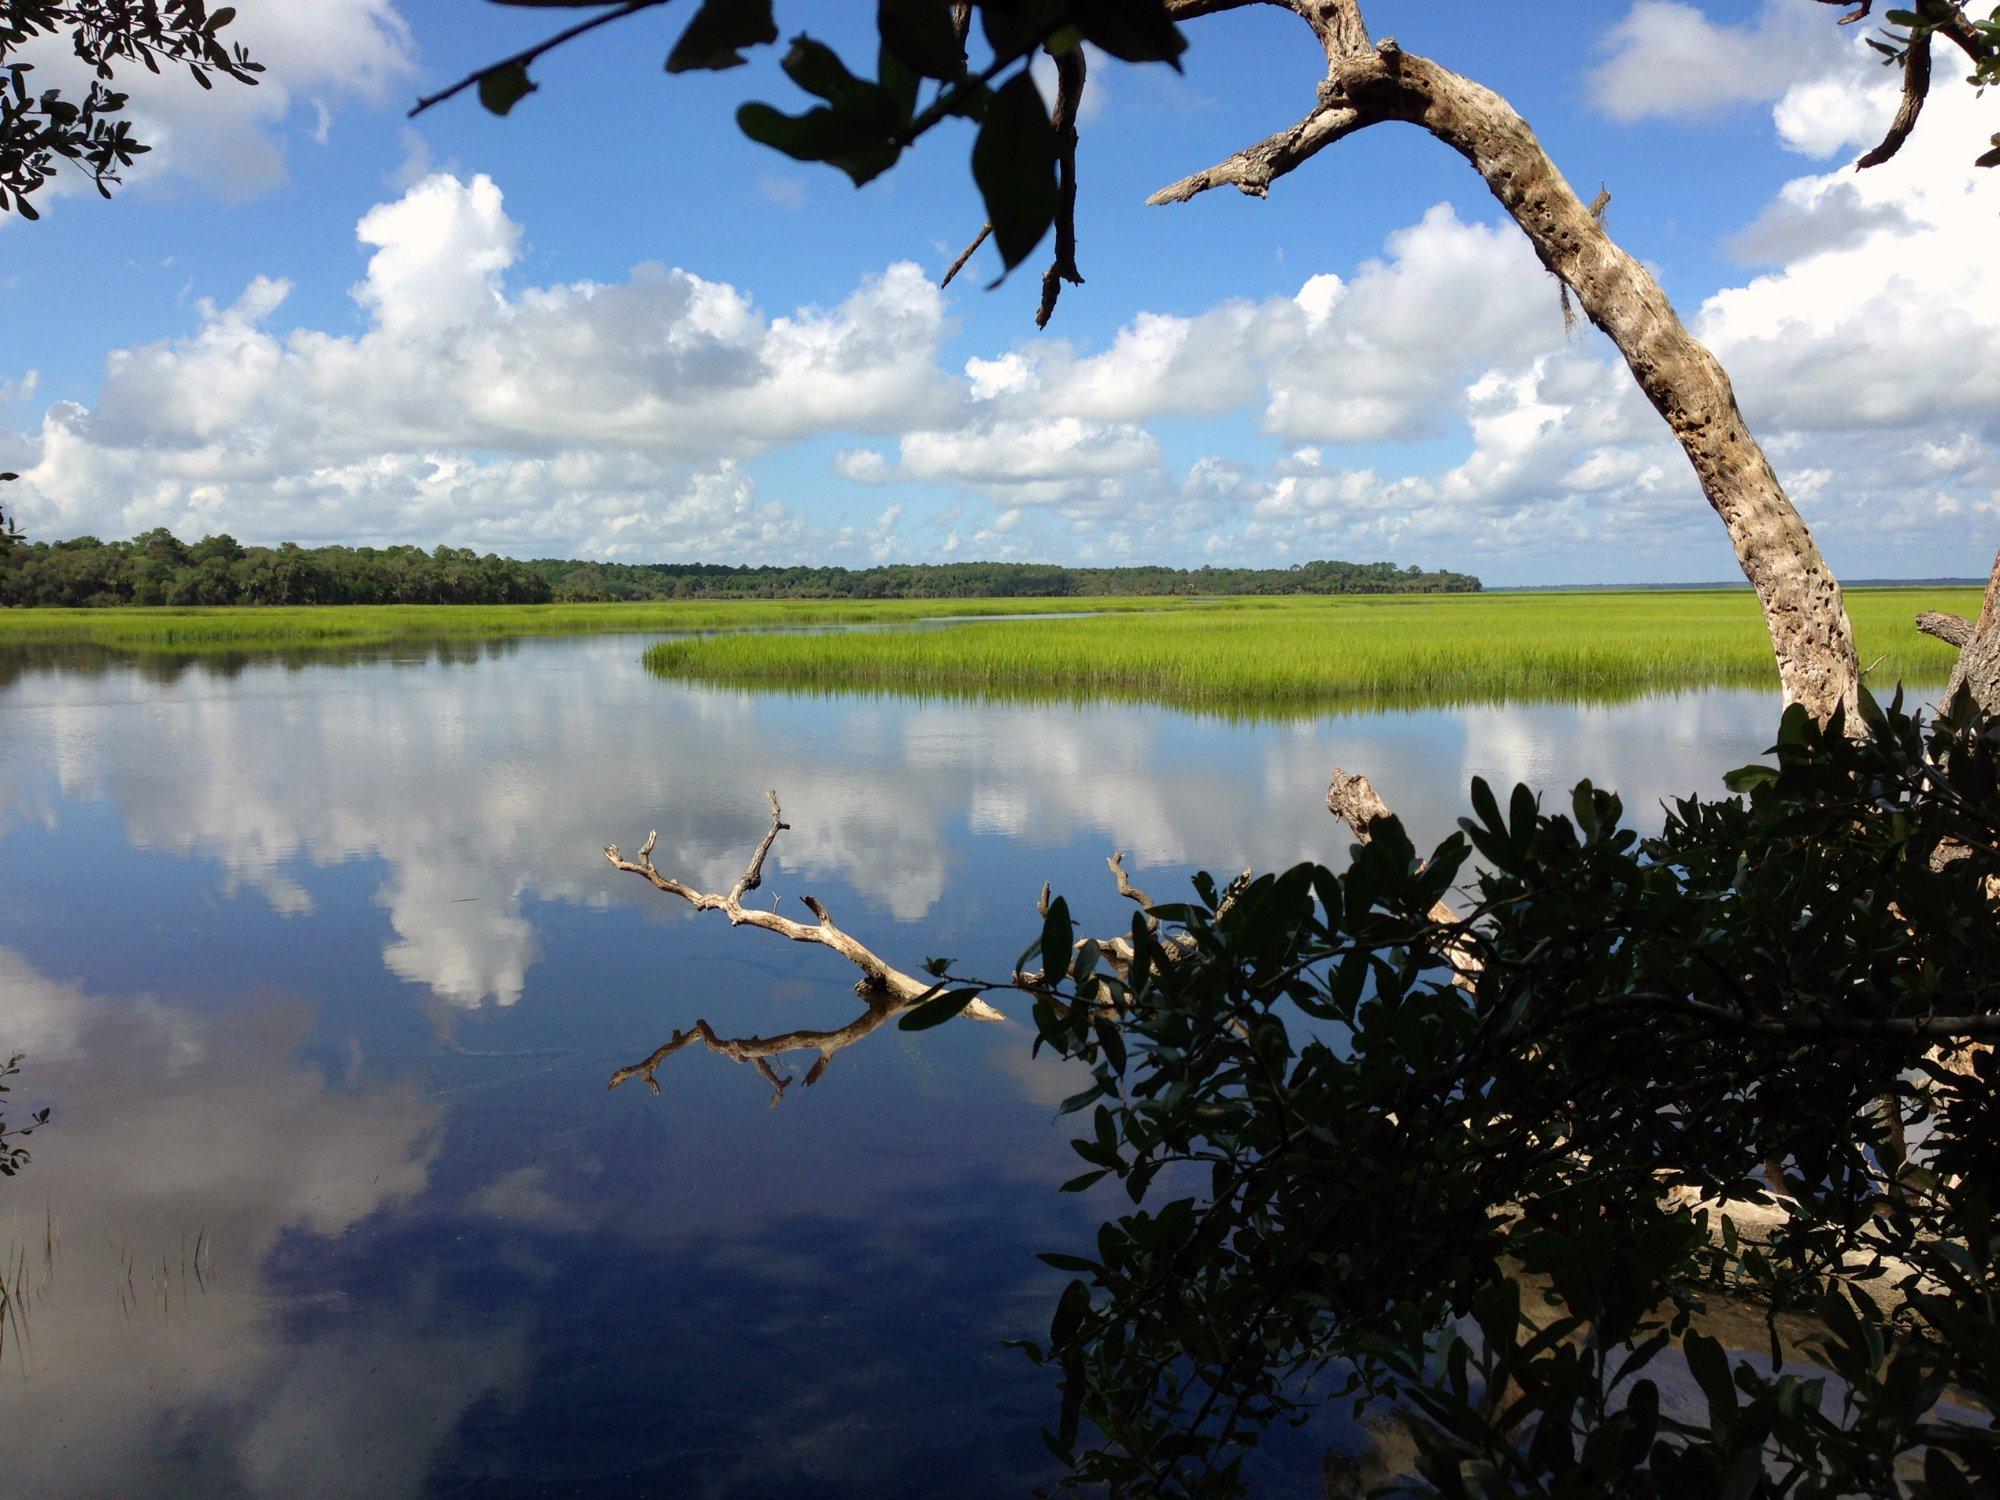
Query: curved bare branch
(1916,88)
(1978,665)
(760,1052)
(1810,632)
(1253,169)
(528,55)
(1953,630)
(1070,74)
(888,990)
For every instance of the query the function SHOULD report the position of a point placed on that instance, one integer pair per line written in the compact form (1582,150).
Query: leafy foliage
(42,129)
(923,74)
(1496,1174)
(937,61)
(1915,30)
(13,1155)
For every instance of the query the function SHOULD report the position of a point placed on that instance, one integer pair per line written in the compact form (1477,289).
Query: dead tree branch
(1916,88)
(966,254)
(528,55)
(888,991)
(1070,72)
(759,1052)
(1801,599)
(1978,665)
(1953,630)
(1253,169)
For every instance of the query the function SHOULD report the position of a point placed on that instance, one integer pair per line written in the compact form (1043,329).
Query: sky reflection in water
(323,972)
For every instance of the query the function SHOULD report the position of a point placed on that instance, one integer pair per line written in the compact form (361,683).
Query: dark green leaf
(921,35)
(719,32)
(503,88)
(857,147)
(936,1010)
(1131,30)
(1014,164)
(1069,1263)
(1058,937)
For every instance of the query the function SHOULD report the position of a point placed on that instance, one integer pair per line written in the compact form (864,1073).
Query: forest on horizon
(157,569)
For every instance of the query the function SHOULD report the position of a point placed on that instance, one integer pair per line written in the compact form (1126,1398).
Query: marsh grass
(277,627)
(1291,655)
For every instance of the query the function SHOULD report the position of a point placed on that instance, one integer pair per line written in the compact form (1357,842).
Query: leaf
(1014,164)
(721,29)
(1584,806)
(1113,1041)
(1058,934)
(857,147)
(817,68)
(1709,1365)
(937,1010)
(504,87)
(1749,778)
(921,35)
(1069,1263)
(1946,1480)
(1070,1308)
(1130,30)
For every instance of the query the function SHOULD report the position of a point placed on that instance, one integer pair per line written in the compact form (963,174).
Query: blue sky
(307,317)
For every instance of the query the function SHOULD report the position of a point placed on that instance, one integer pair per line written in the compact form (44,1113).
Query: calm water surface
(323,972)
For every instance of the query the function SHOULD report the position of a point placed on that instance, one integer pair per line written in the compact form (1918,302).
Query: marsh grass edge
(1290,656)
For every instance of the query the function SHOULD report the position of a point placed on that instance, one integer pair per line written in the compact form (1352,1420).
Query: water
(323,971)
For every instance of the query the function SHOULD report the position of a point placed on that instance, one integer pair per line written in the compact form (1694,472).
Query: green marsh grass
(1293,655)
(251,627)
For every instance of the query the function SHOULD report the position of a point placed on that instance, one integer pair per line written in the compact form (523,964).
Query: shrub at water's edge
(1294,655)
(1515,1150)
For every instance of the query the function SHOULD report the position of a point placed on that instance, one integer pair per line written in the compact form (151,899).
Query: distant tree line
(584,581)
(159,569)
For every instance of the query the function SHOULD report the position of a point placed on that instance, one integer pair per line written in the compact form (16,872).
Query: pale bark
(1979,660)
(1366,85)
(1978,642)
(889,991)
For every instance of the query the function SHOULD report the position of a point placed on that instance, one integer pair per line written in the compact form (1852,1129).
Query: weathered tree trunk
(1365,84)
(1978,643)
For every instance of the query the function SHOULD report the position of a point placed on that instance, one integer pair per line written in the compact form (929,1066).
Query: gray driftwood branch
(887,990)
(1369,83)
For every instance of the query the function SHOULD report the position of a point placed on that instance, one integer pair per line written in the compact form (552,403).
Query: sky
(610,326)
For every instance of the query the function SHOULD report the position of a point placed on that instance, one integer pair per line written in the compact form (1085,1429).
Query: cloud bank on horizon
(1426,404)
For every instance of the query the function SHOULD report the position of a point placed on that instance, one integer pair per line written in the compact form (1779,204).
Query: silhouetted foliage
(1484,1173)
(936,60)
(13,1155)
(40,129)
